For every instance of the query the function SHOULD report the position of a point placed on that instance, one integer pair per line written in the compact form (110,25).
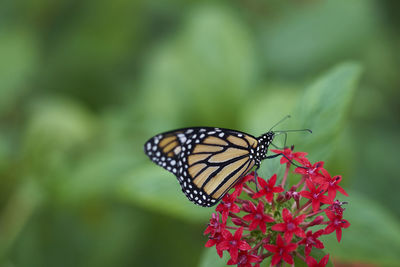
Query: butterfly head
(263,143)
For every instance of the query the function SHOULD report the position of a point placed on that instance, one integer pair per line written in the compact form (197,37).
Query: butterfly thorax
(262,148)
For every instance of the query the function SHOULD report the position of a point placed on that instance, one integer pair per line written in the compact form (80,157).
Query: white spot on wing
(182,138)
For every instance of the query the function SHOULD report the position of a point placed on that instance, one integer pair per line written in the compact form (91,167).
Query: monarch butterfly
(208,161)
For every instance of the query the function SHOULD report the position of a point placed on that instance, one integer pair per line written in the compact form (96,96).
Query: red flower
(244,259)
(311,240)
(215,240)
(336,223)
(228,205)
(316,195)
(290,225)
(281,251)
(233,243)
(257,217)
(245,179)
(336,207)
(311,262)
(214,227)
(292,193)
(330,184)
(311,171)
(289,155)
(268,188)
(272,222)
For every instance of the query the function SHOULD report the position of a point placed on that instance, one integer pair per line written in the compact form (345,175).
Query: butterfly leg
(284,144)
(255,177)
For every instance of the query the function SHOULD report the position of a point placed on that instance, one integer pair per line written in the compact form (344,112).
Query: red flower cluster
(267,221)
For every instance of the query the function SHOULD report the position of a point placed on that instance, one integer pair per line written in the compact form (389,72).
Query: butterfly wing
(209,161)
(164,149)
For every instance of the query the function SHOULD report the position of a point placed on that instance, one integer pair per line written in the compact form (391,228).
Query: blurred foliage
(83,84)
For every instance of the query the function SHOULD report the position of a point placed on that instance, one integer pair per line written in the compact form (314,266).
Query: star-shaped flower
(311,262)
(228,205)
(330,184)
(316,195)
(289,155)
(245,259)
(257,217)
(268,188)
(336,224)
(214,226)
(312,170)
(233,243)
(215,240)
(290,225)
(281,251)
(311,240)
(336,207)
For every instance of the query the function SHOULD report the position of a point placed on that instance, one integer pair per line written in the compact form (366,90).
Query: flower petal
(259,194)
(329,229)
(279,241)
(271,248)
(310,185)
(339,234)
(248,217)
(262,182)
(311,261)
(315,205)
(288,236)
(269,197)
(234,253)
(272,180)
(277,189)
(275,259)
(291,247)
(299,232)
(210,243)
(341,190)
(299,219)
(280,227)
(224,245)
(324,260)
(238,233)
(287,257)
(263,227)
(286,215)
(244,246)
(331,216)
(306,194)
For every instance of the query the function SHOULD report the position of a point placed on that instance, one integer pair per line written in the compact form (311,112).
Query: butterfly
(208,161)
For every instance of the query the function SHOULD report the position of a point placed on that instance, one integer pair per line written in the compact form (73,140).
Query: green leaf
(156,189)
(307,37)
(211,258)
(373,237)
(323,108)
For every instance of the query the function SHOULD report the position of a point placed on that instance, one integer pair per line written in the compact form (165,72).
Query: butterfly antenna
(279,122)
(287,131)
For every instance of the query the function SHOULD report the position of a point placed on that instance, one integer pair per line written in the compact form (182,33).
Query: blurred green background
(83,84)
